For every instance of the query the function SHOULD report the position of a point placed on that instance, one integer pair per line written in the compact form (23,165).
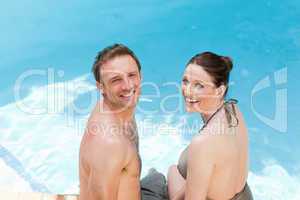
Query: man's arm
(200,168)
(107,159)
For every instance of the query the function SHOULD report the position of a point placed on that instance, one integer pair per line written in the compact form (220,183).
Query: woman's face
(199,92)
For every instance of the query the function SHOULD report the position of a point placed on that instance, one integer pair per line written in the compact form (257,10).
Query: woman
(215,163)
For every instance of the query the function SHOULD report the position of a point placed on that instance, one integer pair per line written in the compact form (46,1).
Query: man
(109,163)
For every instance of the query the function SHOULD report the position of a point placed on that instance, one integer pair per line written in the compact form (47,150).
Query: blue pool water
(49,48)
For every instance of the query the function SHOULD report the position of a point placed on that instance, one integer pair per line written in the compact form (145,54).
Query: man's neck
(123,114)
(126,115)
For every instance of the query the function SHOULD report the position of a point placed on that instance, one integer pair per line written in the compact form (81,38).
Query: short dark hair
(110,53)
(217,66)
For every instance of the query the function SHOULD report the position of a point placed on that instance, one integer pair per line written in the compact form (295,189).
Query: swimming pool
(48,48)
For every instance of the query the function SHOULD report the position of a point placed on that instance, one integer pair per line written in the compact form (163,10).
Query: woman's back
(231,156)
(230,151)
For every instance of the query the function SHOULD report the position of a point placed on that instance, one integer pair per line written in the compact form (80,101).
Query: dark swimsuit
(245,194)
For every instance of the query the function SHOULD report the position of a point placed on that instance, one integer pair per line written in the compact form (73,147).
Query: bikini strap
(230,112)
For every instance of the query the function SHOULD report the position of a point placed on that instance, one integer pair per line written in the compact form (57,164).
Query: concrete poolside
(9,195)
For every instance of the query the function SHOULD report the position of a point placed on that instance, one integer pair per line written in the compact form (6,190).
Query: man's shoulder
(100,123)
(103,133)
(101,146)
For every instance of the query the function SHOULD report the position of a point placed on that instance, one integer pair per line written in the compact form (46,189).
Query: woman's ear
(140,75)
(221,90)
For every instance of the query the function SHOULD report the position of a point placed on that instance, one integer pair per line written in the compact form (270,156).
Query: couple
(213,166)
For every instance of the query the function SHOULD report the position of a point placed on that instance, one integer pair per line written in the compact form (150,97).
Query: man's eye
(132,75)
(116,80)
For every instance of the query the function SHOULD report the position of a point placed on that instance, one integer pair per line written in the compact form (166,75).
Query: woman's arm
(176,184)
(200,168)
(180,194)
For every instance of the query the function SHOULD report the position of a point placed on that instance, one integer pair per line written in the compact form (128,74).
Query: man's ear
(99,85)
(221,90)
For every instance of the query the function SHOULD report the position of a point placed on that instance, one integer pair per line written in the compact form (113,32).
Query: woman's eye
(198,85)
(184,81)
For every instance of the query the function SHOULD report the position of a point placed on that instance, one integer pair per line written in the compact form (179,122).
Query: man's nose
(127,84)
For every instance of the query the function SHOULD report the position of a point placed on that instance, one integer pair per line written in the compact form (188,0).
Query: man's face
(121,82)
